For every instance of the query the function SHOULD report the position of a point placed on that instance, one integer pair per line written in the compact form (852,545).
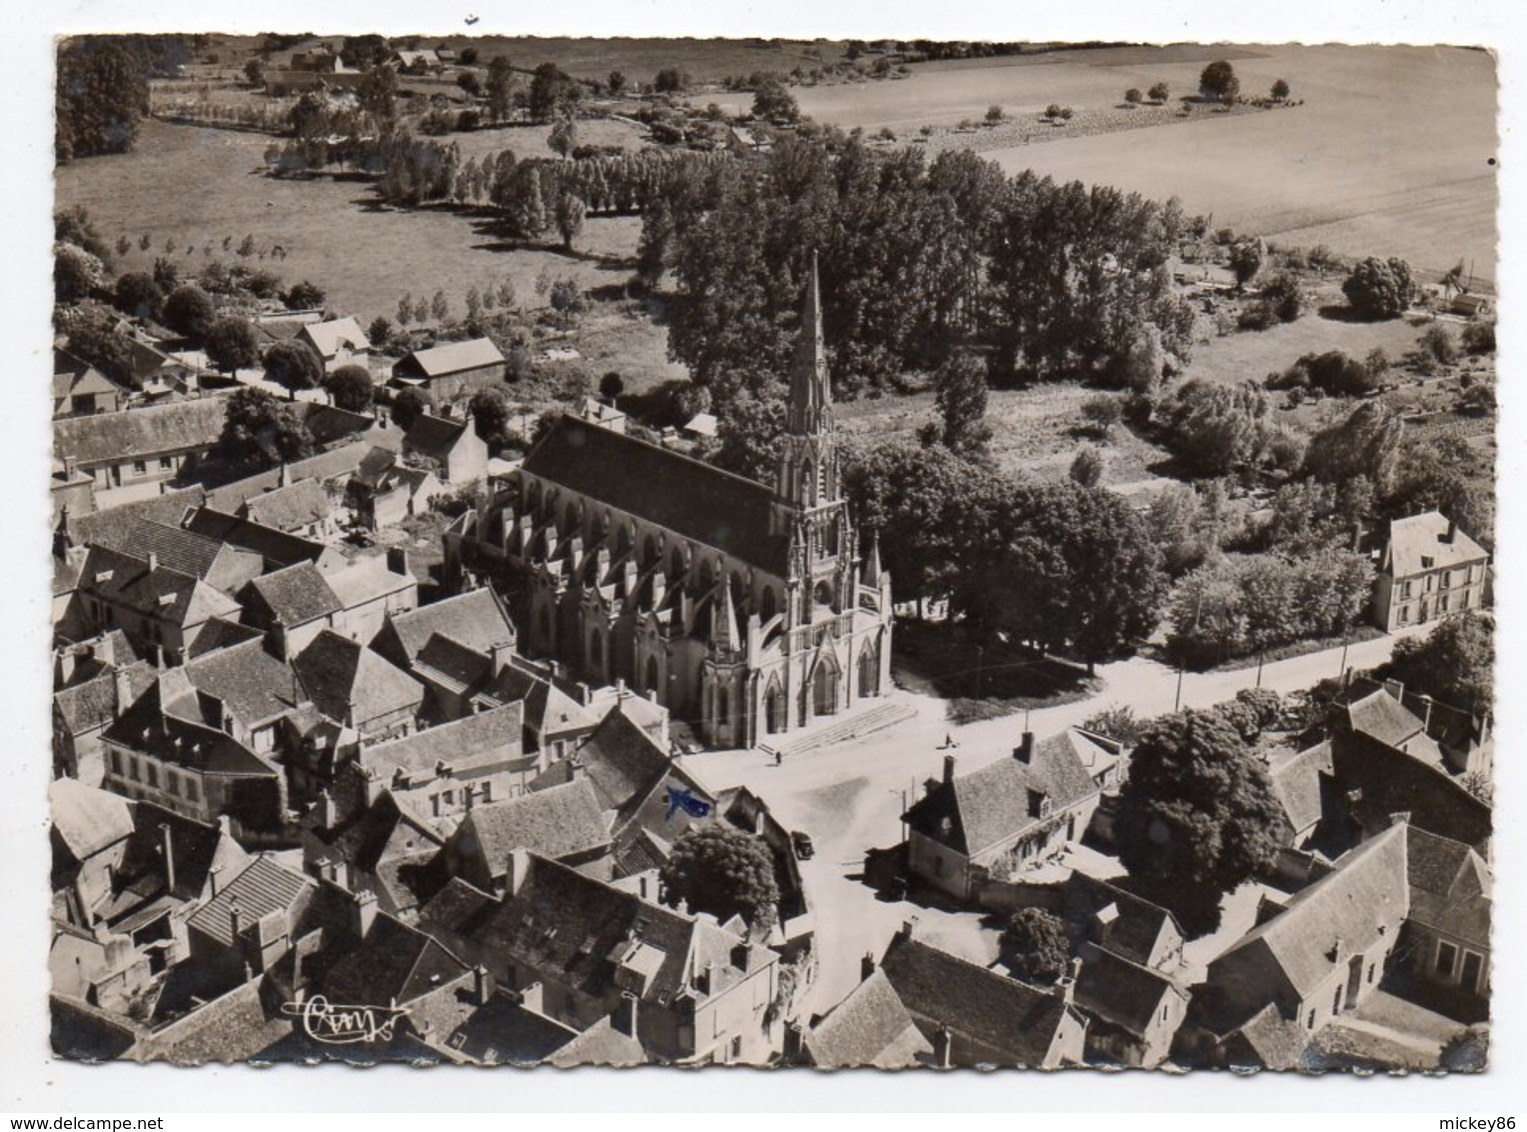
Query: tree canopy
(189,310)
(260,431)
(351,388)
(293,364)
(1197,816)
(407,407)
(231,344)
(1218,81)
(1037,947)
(1379,289)
(1454,663)
(100,96)
(721,870)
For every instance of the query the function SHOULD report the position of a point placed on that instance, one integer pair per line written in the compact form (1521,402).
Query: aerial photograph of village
(772,552)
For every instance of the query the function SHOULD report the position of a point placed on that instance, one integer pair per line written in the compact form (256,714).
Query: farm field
(705,60)
(199,185)
(1034,431)
(1388,155)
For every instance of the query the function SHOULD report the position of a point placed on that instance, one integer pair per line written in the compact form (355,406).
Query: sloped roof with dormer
(474,619)
(291,507)
(993,804)
(295,595)
(328,337)
(630,475)
(1418,539)
(1449,887)
(486,738)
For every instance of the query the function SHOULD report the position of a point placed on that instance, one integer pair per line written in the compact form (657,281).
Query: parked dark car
(801,843)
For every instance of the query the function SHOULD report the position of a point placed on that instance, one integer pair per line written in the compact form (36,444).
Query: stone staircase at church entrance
(838,730)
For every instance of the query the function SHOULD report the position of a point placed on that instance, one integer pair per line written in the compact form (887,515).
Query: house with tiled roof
(79,389)
(563,823)
(1010,814)
(292,606)
(358,688)
(82,711)
(384,490)
(275,548)
(690,990)
(384,849)
(749,608)
(1446,941)
(1132,1011)
(1301,781)
(1105,917)
(1428,569)
(442,772)
(974,1016)
(160,750)
(457,454)
(1382,716)
(337,342)
(254,916)
(160,610)
(245,690)
(476,620)
(446,371)
(1326,950)
(1375,781)
(225,567)
(370,588)
(302,507)
(83,528)
(331,467)
(870,1027)
(133,871)
(138,447)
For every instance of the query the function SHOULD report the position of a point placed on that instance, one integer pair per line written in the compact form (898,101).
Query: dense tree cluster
(1061,566)
(1240,605)
(918,259)
(1197,816)
(1379,289)
(101,94)
(1218,429)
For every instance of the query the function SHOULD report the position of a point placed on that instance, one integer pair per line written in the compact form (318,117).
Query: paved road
(850,796)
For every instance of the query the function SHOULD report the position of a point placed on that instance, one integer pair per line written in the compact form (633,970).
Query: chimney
(795,1043)
(948,768)
(908,926)
(642,887)
(519,869)
(1024,751)
(153,562)
(326,810)
(104,650)
(1426,722)
(1065,986)
(298,993)
(235,921)
(1402,817)
(124,689)
(167,848)
(363,913)
(625,1014)
(397,560)
(866,965)
(1452,531)
(482,984)
(943,1047)
(533,999)
(501,651)
(213,874)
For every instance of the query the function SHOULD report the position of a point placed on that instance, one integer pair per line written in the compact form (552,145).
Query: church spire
(723,626)
(872,561)
(810,388)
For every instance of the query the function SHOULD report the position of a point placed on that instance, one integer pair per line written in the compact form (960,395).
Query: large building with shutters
(746,609)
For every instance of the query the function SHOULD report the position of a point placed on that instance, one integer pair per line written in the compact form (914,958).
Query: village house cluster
(298,759)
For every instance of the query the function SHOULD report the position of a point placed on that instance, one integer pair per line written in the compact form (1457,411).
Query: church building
(746,609)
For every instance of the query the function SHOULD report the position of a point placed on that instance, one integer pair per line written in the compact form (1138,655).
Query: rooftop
(452,357)
(716,508)
(349,682)
(563,821)
(1417,540)
(296,594)
(115,438)
(869,1027)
